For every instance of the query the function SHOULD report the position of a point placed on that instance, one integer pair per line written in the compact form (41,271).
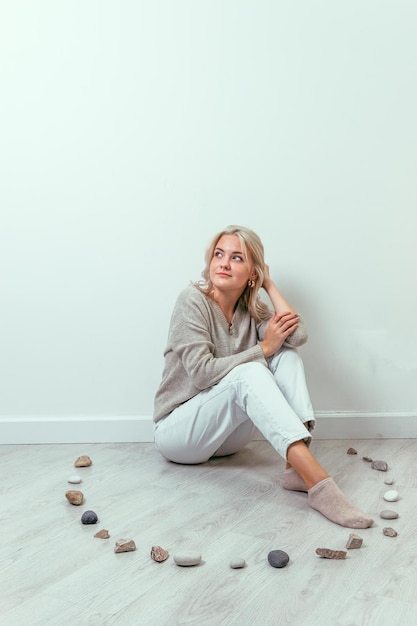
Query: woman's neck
(227,303)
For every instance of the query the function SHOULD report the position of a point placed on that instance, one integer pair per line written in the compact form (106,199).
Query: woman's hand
(267,278)
(280,326)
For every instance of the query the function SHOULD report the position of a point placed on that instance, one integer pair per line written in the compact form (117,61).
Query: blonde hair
(251,243)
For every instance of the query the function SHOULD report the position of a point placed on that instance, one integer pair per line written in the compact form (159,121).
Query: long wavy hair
(252,244)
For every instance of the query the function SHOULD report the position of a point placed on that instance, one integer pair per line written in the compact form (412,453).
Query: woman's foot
(330,501)
(292,481)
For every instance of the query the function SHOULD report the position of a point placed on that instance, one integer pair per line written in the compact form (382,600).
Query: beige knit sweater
(203,347)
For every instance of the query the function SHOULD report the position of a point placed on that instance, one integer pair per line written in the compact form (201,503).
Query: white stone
(75,479)
(187,559)
(237,563)
(391,495)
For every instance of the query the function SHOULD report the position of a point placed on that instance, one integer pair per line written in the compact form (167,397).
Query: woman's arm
(285,326)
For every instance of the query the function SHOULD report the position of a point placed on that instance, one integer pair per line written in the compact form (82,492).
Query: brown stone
(74,497)
(325,553)
(102,534)
(367,459)
(352,451)
(390,532)
(83,461)
(354,541)
(159,554)
(125,545)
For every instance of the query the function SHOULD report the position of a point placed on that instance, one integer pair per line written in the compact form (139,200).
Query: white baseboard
(139,429)
(112,429)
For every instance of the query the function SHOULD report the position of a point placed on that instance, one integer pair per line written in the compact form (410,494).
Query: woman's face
(228,268)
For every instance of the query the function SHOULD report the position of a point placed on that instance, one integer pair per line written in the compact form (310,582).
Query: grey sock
(292,481)
(330,501)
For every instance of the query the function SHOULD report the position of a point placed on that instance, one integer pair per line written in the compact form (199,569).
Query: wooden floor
(54,572)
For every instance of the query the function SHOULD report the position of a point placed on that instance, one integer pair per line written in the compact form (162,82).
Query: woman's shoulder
(192,295)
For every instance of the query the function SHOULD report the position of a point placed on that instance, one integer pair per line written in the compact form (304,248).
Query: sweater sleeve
(205,359)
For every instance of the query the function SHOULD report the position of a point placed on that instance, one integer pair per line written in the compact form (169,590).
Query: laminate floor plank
(54,571)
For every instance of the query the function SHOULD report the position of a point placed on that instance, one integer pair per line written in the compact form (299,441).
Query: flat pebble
(278,558)
(387,514)
(389,480)
(75,479)
(382,466)
(237,563)
(187,559)
(390,532)
(391,495)
(89,517)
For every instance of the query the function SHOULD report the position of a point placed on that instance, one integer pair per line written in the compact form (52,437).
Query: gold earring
(251,284)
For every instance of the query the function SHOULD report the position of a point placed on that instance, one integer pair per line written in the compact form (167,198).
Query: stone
(389,480)
(187,559)
(354,541)
(367,459)
(237,563)
(387,514)
(74,497)
(391,495)
(325,553)
(382,466)
(83,461)
(390,532)
(278,558)
(89,517)
(124,545)
(102,534)
(352,451)
(159,554)
(75,479)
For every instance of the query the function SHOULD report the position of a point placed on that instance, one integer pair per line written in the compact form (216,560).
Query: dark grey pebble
(382,466)
(278,558)
(89,517)
(387,514)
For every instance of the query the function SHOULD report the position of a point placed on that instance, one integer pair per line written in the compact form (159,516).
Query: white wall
(132,131)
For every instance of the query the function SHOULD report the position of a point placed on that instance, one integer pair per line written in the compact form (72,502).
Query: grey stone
(382,466)
(237,563)
(89,517)
(187,559)
(391,495)
(387,514)
(278,558)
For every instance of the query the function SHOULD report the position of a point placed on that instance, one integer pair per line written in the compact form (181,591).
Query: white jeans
(221,419)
